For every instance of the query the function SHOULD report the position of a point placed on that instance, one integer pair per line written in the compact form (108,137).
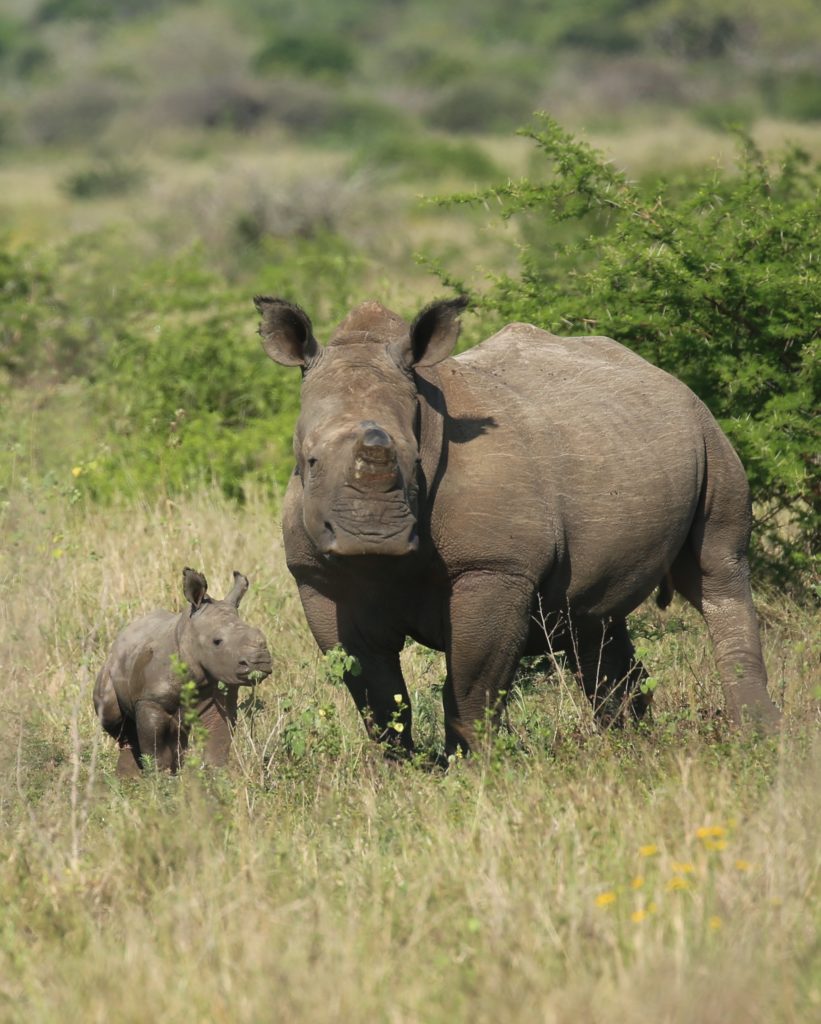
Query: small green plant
(190,721)
(338,663)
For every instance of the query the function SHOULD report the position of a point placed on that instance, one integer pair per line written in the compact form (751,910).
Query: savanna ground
(160,164)
(663,873)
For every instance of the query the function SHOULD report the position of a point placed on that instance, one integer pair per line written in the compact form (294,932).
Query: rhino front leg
(219,719)
(158,733)
(489,625)
(381,695)
(379,680)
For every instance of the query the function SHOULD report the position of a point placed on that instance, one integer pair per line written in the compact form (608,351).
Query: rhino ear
(286,332)
(434,332)
(194,586)
(238,589)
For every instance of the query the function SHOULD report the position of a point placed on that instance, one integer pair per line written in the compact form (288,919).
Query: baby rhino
(138,693)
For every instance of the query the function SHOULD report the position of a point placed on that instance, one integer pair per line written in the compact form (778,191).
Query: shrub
(480,105)
(412,155)
(104,178)
(308,54)
(714,278)
(182,390)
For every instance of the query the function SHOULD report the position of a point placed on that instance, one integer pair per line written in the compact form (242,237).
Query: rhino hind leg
(117,725)
(721,591)
(611,675)
(712,572)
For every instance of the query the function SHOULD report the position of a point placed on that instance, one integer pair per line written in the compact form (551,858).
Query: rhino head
(214,641)
(355,442)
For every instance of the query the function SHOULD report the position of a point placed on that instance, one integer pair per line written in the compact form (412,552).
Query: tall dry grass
(662,874)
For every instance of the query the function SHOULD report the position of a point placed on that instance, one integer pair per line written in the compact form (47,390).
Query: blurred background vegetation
(160,162)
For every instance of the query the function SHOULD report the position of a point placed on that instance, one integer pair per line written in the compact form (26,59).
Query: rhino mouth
(366,527)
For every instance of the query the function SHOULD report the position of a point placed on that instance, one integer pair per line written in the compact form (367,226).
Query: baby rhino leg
(158,733)
(117,725)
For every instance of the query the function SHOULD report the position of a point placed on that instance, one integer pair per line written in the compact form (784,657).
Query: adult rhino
(459,500)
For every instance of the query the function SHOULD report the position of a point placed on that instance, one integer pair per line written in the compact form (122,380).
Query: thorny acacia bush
(557,875)
(715,278)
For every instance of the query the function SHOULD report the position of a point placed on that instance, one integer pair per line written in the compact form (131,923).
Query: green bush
(412,155)
(716,279)
(311,53)
(480,105)
(796,96)
(105,178)
(182,388)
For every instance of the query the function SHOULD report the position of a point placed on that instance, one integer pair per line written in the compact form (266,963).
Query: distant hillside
(115,71)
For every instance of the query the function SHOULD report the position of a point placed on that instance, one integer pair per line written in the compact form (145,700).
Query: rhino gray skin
(461,500)
(138,690)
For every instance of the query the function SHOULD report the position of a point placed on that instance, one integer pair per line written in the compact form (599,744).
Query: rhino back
(584,457)
(140,661)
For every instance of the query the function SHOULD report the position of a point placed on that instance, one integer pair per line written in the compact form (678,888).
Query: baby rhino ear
(238,589)
(194,586)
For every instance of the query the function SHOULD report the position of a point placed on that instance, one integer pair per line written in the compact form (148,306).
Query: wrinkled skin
(525,495)
(137,694)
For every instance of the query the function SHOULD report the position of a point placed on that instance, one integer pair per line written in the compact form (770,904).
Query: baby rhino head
(214,638)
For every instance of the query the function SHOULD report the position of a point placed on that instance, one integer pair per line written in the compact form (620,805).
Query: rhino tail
(666,591)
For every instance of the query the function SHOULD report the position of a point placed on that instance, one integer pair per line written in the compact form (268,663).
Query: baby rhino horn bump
(238,590)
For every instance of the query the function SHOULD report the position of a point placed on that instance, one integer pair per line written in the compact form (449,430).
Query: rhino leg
(724,598)
(158,733)
(380,681)
(712,572)
(381,695)
(489,626)
(117,725)
(610,673)
(219,719)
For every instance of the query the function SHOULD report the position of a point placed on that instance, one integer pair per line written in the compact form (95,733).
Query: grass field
(669,873)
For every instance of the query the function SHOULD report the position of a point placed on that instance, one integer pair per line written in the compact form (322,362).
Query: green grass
(311,880)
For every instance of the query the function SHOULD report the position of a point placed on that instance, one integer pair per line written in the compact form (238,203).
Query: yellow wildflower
(714,923)
(397,698)
(397,726)
(604,899)
(638,916)
(637,882)
(76,471)
(648,850)
(677,883)
(743,865)
(715,844)
(711,832)
(683,868)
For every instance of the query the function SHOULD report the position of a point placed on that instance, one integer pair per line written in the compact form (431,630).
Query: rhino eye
(312,462)
(217,641)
